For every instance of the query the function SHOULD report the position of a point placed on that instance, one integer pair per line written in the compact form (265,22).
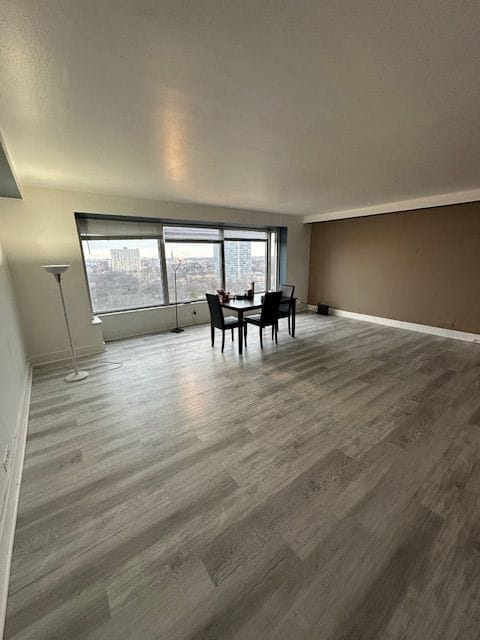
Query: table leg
(240,332)
(294,305)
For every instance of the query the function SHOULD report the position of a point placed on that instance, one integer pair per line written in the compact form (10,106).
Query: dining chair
(218,320)
(268,316)
(285,309)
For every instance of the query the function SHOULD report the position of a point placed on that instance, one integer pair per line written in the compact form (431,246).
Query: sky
(98,249)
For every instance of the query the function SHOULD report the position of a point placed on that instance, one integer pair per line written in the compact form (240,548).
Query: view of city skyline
(100,249)
(127,273)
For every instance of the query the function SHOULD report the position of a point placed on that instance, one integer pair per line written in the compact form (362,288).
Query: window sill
(142,309)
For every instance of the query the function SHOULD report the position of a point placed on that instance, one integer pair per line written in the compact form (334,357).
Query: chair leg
(232,335)
(212,329)
(261,337)
(276,333)
(223,340)
(273,329)
(289,326)
(245,332)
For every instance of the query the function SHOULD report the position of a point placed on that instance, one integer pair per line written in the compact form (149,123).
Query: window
(245,262)
(123,274)
(197,266)
(132,264)
(194,254)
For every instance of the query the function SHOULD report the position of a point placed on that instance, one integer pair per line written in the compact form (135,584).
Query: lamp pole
(57,270)
(177,328)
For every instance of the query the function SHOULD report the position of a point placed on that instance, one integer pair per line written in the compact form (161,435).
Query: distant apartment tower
(238,265)
(125,259)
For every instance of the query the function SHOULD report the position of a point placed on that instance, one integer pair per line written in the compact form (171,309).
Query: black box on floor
(322,309)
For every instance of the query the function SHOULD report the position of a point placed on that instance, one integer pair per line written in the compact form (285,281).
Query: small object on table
(250,293)
(223,296)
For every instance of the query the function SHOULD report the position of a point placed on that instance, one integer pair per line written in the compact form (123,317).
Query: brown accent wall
(419,266)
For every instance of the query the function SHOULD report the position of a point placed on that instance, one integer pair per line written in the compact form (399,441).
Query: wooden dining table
(240,307)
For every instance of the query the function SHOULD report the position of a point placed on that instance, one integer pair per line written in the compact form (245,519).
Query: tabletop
(244,305)
(249,305)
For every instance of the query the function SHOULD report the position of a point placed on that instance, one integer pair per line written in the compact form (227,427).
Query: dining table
(243,305)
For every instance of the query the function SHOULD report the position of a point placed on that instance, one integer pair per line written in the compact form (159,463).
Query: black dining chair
(268,317)
(285,310)
(218,320)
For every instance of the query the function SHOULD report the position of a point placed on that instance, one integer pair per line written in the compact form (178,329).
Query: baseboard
(59,356)
(409,326)
(9,512)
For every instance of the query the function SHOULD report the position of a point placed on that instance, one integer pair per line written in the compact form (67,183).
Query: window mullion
(222,260)
(268,284)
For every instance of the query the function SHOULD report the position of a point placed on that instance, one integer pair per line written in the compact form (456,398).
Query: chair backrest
(216,313)
(271,303)
(287,290)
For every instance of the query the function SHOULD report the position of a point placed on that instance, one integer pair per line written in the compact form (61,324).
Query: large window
(198,269)
(131,265)
(123,274)
(247,260)
(194,254)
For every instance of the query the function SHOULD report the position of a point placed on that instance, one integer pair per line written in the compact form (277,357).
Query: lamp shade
(55,268)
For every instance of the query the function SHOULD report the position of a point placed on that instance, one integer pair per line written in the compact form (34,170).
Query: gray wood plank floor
(325,488)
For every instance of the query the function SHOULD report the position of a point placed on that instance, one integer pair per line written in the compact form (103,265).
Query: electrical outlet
(6,458)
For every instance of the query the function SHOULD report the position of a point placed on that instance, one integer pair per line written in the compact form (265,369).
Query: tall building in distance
(125,259)
(238,265)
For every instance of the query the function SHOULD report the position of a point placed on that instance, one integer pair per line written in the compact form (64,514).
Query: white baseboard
(409,326)
(12,493)
(59,356)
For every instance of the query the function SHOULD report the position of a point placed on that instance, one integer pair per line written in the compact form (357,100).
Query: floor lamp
(177,328)
(57,270)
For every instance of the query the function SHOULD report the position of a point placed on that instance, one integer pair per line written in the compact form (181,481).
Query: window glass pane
(198,272)
(191,233)
(245,262)
(123,274)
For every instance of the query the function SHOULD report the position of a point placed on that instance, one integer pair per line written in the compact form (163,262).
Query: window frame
(269,231)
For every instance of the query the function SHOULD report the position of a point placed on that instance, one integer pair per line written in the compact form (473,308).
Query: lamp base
(75,377)
(177,330)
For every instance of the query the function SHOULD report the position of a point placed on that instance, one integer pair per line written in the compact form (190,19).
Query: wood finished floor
(327,488)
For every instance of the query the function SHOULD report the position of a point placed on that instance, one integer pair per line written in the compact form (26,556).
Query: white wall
(13,367)
(14,391)
(140,322)
(41,229)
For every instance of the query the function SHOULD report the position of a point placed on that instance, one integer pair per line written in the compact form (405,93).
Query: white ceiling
(293,106)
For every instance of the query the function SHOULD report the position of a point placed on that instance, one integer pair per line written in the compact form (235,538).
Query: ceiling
(294,106)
